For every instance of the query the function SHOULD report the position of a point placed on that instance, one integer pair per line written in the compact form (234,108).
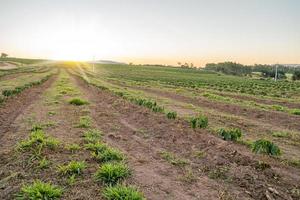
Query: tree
(296,76)
(4,55)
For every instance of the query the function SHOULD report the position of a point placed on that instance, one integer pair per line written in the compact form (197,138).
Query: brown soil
(142,135)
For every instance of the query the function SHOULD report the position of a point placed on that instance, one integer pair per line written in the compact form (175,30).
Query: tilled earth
(212,168)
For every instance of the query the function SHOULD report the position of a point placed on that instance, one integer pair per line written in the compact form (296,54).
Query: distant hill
(108,62)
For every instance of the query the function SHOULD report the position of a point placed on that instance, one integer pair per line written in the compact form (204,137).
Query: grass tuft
(72,147)
(120,192)
(112,173)
(92,135)
(72,168)
(84,122)
(78,102)
(108,154)
(171,115)
(173,159)
(266,147)
(230,134)
(199,122)
(40,190)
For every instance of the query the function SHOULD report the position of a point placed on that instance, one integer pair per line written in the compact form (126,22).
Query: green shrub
(112,173)
(92,135)
(265,147)
(199,122)
(40,190)
(120,192)
(230,134)
(72,168)
(171,115)
(78,102)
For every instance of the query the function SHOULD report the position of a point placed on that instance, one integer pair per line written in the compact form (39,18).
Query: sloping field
(98,133)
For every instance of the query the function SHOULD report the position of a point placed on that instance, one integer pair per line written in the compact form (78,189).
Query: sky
(153,31)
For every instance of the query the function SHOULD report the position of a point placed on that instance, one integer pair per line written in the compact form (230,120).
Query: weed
(73,147)
(51,113)
(109,154)
(97,147)
(40,190)
(295,111)
(188,176)
(120,192)
(265,147)
(84,122)
(171,115)
(78,102)
(36,127)
(199,122)
(173,159)
(92,135)
(230,134)
(112,173)
(72,168)
(261,165)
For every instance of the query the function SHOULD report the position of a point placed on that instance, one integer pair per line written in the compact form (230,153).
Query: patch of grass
(294,163)
(37,142)
(188,176)
(73,147)
(44,163)
(78,102)
(112,173)
(295,111)
(40,190)
(265,147)
(84,122)
(109,154)
(168,156)
(232,134)
(97,147)
(171,115)
(51,113)
(92,135)
(120,192)
(199,122)
(36,127)
(261,165)
(72,168)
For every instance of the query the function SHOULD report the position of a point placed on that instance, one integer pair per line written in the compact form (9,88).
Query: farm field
(148,132)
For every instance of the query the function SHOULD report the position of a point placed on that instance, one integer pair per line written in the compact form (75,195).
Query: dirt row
(143,134)
(278,119)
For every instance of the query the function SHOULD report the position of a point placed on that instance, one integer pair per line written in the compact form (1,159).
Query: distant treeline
(267,71)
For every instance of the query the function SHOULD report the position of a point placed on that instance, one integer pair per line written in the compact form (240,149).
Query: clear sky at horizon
(153,31)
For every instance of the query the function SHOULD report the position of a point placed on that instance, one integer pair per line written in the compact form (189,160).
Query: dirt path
(143,135)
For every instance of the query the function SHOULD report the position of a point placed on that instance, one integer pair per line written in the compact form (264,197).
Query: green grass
(40,190)
(281,134)
(97,147)
(109,154)
(263,146)
(72,168)
(84,122)
(120,192)
(73,147)
(92,135)
(44,163)
(199,122)
(232,134)
(112,173)
(174,160)
(78,102)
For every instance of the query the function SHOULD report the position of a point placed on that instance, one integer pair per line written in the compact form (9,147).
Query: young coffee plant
(112,173)
(230,134)
(171,115)
(266,147)
(40,190)
(120,192)
(199,122)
